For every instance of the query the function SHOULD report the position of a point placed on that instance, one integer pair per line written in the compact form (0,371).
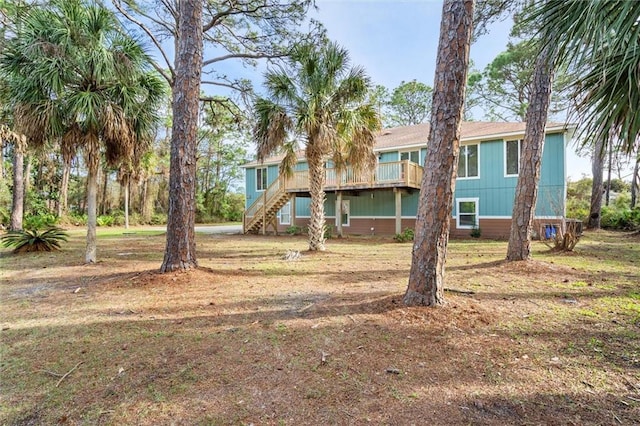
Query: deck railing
(397,173)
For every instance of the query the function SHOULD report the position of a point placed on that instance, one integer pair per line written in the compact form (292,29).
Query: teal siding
(382,204)
(497,192)
(410,203)
(252,193)
(494,191)
(250,186)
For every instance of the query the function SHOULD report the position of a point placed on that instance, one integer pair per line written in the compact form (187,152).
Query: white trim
(504,146)
(467,162)
(452,217)
(477,214)
(488,137)
(409,151)
(287,204)
(266,169)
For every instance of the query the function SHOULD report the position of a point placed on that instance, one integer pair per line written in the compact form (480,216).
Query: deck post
(292,209)
(339,212)
(264,213)
(398,195)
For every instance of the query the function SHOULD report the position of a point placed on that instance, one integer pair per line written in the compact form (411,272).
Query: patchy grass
(251,338)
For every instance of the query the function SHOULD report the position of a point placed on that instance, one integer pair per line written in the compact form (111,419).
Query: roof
(417,135)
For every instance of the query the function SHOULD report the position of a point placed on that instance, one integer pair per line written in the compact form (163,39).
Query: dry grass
(250,338)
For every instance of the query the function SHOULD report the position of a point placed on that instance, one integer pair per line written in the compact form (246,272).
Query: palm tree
(601,39)
(74,75)
(319,100)
(426,278)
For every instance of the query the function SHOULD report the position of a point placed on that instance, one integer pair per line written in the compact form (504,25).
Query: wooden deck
(396,174)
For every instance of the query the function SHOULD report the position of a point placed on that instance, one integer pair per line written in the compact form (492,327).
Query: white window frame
(408,152)
(281,213)
(467,161)
(506,174)
(467,200)
(259,181)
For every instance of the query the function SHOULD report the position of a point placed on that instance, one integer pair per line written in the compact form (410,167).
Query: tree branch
(229,12)
(170,78)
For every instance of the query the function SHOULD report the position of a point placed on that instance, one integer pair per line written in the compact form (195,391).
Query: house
(385,201)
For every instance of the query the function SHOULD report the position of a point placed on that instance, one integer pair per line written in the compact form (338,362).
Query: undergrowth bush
(34,222)
(33,240)
(623,219)
(294,230)
(404,236)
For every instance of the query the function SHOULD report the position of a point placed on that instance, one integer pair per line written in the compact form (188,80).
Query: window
(512,157)
(261,179)
(467,213)
(413,156)
(285,214)
(468,163)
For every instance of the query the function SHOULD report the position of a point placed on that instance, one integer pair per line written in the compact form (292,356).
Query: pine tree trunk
(426,278)
(316,190)
(17,206)
(597,167)
(530,158)
(180,252)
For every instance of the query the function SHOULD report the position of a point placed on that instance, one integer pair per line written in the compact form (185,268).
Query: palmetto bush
(31,240)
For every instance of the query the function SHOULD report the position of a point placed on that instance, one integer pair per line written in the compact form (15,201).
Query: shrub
(77,219)
(620,218)
(33,240)
(158,219)
(404,236)
(476,232)
(294,230)
(105,220)
(40,221)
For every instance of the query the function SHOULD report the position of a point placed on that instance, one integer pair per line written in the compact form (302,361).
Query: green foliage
(34,240)
(77,219)
(599,38)
(106,220)
(476,232)
(579,199)
(618,185)
(45,220)
(158,219)
(294,230)
(404,236)
(619,217)
(410,103)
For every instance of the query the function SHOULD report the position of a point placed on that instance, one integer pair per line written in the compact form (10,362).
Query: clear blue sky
(398,40)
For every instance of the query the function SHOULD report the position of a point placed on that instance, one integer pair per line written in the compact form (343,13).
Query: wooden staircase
(263,211)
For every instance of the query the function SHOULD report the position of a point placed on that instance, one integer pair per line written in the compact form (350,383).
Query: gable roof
(417,135)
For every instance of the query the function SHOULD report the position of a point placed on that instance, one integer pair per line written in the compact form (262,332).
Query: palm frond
(290,159)
(601,40)
(26,241)
(271,128)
